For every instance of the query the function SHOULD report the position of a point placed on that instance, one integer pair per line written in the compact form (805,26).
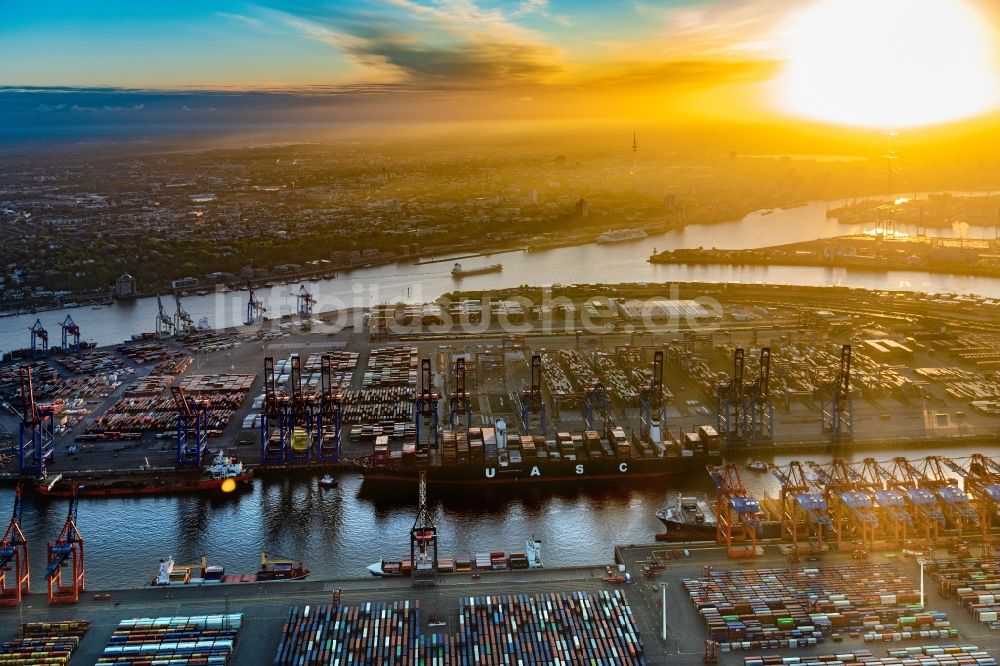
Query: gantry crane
(39,339)
(192,428)
(981,480)
(164,324)
(15,568)
(801,506)
(70,335)
(66,553)
(255,307)
(304,302)
(427,406)
(891,505)
(423,541)
(596,399)
(922,503)
(852,507)
(730,418)
(532,402)
(330,414)
(275,419)
(36,445)
(183,323)
(758,408)
(459,399)
(305,414)
(652,418)
(836,403)
(737,513)
(957,504)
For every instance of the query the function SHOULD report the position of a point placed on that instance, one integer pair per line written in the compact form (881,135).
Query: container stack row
(976,584)
(178,641)
(44,643)
(391,366)
(927,655)
(576,628)
(789,608)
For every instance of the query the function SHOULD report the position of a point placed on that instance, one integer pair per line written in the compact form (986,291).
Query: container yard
(834,610)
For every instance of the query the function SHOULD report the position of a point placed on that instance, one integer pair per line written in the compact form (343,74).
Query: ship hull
(138,486)
(587,471)
(678,531)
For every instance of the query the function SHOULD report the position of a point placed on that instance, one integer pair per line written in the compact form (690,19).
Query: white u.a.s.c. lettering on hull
(491,472)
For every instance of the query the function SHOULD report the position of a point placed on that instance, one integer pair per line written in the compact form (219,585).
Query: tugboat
(757,466)
(328,481)
(688,517)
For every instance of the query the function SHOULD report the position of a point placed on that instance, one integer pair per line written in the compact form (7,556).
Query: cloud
(80,108)
(247,21)
(454,42)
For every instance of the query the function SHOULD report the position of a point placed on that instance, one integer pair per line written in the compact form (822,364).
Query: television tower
(635,149)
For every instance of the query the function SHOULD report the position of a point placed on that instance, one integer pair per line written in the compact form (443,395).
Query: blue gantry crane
(65,570)
(330,413)
(836,404)
(275,419)
(255,307)
(36,445)
(15,571)
(164,324)
(730,418)
(427,406)
(39,339)
(596,400)
(532,401)
(70,335)
(459,400)
(192,428)
(305,417)
(652,417)
(304,302)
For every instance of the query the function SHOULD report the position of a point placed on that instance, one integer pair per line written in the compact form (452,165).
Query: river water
(592,263)
(338,532)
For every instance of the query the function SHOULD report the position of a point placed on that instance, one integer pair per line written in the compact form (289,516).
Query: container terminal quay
(606,385)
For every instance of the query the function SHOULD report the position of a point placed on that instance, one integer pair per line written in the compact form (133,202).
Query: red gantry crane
(15,575)
(65,570)
(851,506)
(801,506)
(737,513)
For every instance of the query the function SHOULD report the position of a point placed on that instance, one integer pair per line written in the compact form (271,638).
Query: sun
(887,63)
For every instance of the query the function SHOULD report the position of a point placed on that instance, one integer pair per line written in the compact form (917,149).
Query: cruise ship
(621,235)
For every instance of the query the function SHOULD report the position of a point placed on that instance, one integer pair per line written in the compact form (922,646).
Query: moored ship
(688,517)
(491,455)
(224,468)
(621,235)
(458,272)
(202,573)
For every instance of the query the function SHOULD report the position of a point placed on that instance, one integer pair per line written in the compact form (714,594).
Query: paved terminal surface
(266,605)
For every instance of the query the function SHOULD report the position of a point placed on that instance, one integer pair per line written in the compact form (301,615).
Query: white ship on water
(621,235)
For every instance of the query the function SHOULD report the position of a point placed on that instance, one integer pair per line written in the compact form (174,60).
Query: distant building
(125,287)
(184,283)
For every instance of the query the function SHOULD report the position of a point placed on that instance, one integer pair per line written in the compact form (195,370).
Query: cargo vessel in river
(459,272)
(491,455)
(203,573)
(688,517)
(224,468)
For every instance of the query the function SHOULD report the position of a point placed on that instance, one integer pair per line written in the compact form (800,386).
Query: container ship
(202,573)
(688,517)
(494,560)
(621,235)
(490,455)
(223,468)
(458,272)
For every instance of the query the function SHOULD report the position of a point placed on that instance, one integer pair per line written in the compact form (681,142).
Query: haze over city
(500,331)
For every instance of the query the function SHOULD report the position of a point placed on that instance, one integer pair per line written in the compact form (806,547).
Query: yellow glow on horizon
(888,63)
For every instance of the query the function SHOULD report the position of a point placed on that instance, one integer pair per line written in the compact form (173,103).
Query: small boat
(688,517)
(757,466)
(328,481)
